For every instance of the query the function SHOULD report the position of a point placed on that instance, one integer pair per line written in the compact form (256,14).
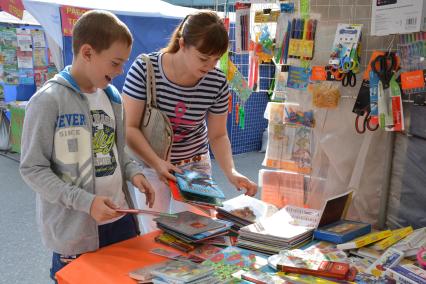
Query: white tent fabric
(27,19)
(47,11)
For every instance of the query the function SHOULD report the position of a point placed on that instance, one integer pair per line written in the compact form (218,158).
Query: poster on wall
(39,57)
(9,58)
(26,76)
(69,16)
(38,38)
(8,37)
(24,40)
(25,59)
(10,76)
(40,76)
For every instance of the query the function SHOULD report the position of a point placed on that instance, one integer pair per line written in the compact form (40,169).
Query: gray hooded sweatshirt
(57,163)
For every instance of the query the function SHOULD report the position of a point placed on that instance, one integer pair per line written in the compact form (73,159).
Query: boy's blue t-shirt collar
(110,90)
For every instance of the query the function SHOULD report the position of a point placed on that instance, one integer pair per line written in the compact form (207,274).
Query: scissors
(349,79)
(365,123)
(384,66)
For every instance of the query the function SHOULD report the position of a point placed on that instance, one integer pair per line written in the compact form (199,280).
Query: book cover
(196,199)
(260,277)
(204,251)
(189,223)
(299,263)
(397,235)
(172,241)
(198,183)
(144,273)
(342,231)
(233,259)
(182,271)
(248,208)
(412,241)
(365,240)
(407,274)
(391,257)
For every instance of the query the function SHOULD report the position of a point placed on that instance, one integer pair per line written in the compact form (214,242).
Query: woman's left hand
(242,182)
(144,186)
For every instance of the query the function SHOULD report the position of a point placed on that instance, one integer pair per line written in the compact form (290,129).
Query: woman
(193,94)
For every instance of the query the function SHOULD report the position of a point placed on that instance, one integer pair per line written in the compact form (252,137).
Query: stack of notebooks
(191,227)
(287,228)
(244,210)
(196,188)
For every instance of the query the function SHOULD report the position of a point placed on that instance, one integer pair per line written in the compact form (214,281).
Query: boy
(73,146)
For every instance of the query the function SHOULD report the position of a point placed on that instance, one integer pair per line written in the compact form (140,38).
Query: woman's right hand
(164,170)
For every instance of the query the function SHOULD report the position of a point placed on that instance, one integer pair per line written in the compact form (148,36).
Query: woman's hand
(144,186)
(164,170)
(242,182)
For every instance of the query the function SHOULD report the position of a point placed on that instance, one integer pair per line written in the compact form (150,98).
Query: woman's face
(197,63)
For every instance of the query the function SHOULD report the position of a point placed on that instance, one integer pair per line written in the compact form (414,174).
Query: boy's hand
(144,186)
(103,209)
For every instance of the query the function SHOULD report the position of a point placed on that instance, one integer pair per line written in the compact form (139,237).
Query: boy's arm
(36,154)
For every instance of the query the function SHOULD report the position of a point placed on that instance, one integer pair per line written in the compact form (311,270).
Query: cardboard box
(397,17)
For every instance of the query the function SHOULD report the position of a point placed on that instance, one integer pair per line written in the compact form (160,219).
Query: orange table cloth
(113,263)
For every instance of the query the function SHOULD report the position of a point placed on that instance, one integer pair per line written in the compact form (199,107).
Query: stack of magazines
(289,227)
(193,228)
(244,210)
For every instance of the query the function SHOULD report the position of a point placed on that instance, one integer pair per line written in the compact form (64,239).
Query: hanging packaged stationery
(384,67)
(282,35)
(238,83)
(298,77)
(281,78)
(325,95)
(242,117)
(345,55)
(302,36)
(295,114)
(242,26)
(289,149)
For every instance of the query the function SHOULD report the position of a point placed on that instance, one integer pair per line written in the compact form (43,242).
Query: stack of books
(289,227)
(191,227)
(196,188)
(244,210)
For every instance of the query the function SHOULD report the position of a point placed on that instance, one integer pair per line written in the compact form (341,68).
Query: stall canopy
(151,23)
(26,20)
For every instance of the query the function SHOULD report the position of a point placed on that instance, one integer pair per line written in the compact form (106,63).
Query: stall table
(111,264)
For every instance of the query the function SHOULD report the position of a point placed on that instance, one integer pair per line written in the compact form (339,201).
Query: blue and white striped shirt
(186,107)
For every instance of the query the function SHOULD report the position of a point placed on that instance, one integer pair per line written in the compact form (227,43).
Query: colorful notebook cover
(198,183)
(233,259)
(204,251)
(189,223)
(182,271)
(342,231)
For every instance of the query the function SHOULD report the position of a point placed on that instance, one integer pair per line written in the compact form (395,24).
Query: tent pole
(384,198)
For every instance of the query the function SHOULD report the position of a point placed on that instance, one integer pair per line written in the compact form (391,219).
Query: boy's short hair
(100,29)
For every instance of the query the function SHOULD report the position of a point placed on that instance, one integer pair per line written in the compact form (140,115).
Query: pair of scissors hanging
(366,123)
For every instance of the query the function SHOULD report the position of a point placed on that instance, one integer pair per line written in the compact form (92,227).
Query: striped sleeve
(221,104)
(134,85)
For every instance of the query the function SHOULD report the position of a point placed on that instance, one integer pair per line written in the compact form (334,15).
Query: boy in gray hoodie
(73,146)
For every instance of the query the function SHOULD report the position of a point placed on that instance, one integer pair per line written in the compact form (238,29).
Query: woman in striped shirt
(194,95)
